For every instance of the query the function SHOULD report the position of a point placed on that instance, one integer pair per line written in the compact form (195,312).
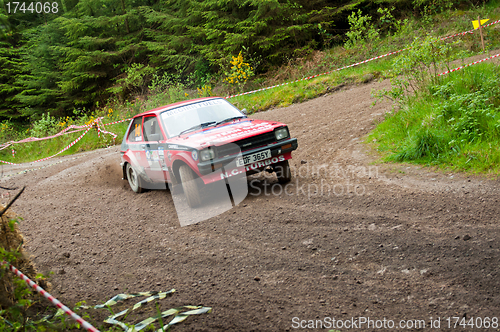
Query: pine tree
(41,92)
(11,66)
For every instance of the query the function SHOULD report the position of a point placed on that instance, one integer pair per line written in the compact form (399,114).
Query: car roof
(177,104)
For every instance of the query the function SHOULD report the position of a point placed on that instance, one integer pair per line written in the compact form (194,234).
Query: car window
(135,134)
(181,118)
(152,130)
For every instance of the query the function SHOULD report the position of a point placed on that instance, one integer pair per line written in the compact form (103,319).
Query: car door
(153,136)
(137,146)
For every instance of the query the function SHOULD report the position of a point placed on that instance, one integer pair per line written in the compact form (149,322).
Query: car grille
(246,144)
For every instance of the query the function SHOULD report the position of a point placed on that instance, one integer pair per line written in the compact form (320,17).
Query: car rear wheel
(189,186)
(283,172)
(134,179)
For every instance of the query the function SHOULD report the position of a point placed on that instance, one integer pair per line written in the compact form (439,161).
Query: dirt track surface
(398,242)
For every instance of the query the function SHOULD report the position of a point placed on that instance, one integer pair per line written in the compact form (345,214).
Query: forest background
(80,54)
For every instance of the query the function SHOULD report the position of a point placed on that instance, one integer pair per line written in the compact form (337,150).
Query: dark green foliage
(41,92)
(87,51)
(11,66)
(472,106)
(190,32)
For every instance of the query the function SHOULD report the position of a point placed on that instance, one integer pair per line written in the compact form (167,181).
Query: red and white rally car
(193,142)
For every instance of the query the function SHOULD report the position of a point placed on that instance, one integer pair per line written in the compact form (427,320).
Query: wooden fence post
(480,31)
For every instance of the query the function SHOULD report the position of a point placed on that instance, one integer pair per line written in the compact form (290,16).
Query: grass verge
(454,123)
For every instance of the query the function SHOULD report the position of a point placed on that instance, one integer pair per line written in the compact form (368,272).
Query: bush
(361,29)
(46,126)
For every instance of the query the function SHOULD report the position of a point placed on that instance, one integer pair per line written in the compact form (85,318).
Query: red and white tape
(470,31)
(34,139)
(111,123)
(89,127)
(47,158)
(65,131)
(100,130)
(352,65)
(470,64)
(314,76)
(52,299)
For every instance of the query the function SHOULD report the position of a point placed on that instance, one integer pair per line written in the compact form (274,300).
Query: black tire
(283,172)
(134,179)
(189,186)
(174,186)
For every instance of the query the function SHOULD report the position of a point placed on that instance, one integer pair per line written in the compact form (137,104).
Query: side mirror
(244,111)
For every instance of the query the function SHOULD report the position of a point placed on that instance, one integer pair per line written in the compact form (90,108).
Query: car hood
(227,133)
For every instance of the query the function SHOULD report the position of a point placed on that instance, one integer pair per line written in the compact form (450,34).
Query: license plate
(252,158)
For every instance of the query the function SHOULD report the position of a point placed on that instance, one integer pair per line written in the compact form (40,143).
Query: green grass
(308,89)
(454,123)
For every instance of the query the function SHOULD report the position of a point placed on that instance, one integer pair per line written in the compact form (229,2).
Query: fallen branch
(12,201)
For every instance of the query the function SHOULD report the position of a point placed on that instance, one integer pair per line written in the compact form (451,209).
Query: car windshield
(194,116)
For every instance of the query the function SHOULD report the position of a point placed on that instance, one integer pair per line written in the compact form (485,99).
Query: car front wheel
(189,186)
(134,179)
(283,172)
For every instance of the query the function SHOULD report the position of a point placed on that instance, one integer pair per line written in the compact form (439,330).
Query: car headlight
(207,154)
(281,133)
